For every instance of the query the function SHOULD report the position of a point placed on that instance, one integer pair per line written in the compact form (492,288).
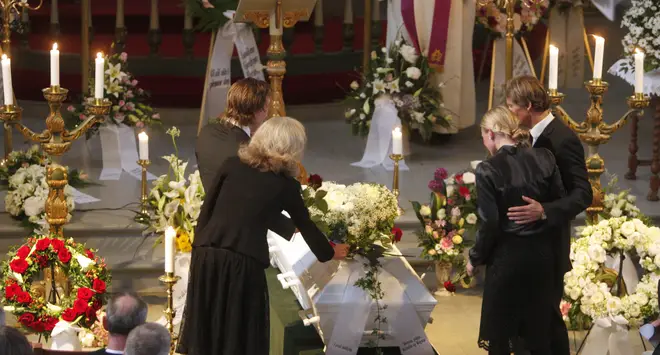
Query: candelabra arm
(564,116)
(611,128)
(70,136)
(27,5)
(30,135)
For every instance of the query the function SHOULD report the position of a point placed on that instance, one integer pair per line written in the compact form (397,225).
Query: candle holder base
(169,280)
(143,217)
(10,114)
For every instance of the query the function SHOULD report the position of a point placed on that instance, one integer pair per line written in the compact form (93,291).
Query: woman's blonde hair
(500,120)
(276,146)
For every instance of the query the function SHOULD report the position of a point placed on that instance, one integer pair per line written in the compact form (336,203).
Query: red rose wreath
(86,273)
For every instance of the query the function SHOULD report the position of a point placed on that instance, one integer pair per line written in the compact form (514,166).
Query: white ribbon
(119,152)
(629,271)
(379,142)
(651,79)
(521,66)
(180,290)
(608,336)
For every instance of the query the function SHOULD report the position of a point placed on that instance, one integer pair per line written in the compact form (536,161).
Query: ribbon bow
(609,335)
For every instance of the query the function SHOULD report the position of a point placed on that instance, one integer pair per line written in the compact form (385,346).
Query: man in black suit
(527,98)
(124,312)
(247,108)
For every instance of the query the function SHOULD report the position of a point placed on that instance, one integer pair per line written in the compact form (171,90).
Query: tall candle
(397,145)
(639,71)
(170,234)
(598,58)
(273,29)
(6,80)
(54,66)
(554,68)
(144,146)
(99,77)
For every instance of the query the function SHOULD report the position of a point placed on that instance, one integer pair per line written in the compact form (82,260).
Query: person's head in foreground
(499,127)
(12,342)
(148,339)
(247,103)
(277,146)
(125,311)
(527,99)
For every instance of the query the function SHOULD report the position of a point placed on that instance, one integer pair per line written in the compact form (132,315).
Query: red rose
(42,260)
(42,244)
(80,306)
(58,244)
(69,315)
(397,233)
(459,178)
(91,315)
(26,319)
(38,326)
(12,290)
(89,254)
(64,255)
(85,294)
(464,191)
(50,323)
(23,252)
(315,181)
(18,265)
(23,297)
(450,286)
(98,286)
(97,304)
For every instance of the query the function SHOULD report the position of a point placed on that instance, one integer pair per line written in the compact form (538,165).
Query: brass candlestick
(594,132)
(143,216)
(55,140)
(169,279)
(395,183)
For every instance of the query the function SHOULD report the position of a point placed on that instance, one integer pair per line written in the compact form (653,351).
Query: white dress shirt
(111,351)
(540,127)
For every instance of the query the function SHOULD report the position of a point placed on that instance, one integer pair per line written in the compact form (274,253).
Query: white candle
(639,71)
(554,67)
(272,25)
(397,146)
(99,77)
(170,234)
(54,66)
(6,80)
(598,59)
(144,146)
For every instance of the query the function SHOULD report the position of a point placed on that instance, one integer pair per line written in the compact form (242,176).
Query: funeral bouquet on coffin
(130,103)
(405,77)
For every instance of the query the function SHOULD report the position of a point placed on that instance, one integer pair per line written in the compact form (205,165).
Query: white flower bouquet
(620,203)
(34,156)
(642,20)
(26,197)
(129,102)
(176,200)
(402,74)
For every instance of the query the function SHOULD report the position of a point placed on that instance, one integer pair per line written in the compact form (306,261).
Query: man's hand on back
(529,213)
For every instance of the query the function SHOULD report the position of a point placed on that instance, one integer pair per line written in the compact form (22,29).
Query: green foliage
(210,19)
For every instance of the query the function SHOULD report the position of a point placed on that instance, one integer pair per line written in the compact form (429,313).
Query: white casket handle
(380,332)
(287,284)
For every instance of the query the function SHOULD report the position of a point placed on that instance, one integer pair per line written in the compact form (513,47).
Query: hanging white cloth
(607,7)
(379,142)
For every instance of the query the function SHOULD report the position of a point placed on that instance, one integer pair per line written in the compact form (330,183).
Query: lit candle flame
(637,50)
(597,37)
(397,129)
(99,55)
(4,57)
(54,46)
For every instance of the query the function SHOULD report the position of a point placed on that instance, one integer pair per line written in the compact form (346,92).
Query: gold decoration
(260,19)
(595,132)
(55,140)
(143,216)
(292,17)
(436,56)
(395,183)
(169,279)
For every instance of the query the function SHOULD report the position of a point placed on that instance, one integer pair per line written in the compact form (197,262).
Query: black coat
(216,143)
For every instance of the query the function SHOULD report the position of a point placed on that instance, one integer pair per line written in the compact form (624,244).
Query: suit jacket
(501,182)
(216,143)
(242,203)
(569,154)
(99,352)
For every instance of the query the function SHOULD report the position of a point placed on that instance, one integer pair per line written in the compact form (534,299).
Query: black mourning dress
(519,258)
(227,303)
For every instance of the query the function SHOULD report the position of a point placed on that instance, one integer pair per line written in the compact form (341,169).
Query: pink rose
(139,124)
(134,82)
(140,91)
(130,106)
(119,117)
(71,108)
(565,307)
(446,243)
(122,102)
(82,117)
(129,94)
(123,56)
(155,116)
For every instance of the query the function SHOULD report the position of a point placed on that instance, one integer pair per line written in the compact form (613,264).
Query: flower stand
(443,274)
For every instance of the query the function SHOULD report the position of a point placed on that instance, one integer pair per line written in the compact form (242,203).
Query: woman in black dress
(227,303)
(519,257)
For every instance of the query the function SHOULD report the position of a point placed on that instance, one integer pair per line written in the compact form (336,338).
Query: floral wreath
(87,274)
(587,287)
(527,15)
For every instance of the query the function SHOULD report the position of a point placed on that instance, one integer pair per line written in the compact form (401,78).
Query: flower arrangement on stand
(620,203)
(493,18)
(86,272)
(565,5)
(642,20)
(404,76)
(34,156)
(447,220)
(362,216)
(130,103)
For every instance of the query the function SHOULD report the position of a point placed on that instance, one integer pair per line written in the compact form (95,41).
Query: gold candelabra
(594,132)
(55,140)
(169,280)
(395,183)
(143,216)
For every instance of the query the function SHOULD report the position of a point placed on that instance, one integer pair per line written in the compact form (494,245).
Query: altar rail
(170,57)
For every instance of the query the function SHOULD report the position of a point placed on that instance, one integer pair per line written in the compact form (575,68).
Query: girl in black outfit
(227,303)
(519,258)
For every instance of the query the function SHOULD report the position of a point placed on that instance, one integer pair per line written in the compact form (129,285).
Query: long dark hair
(12,342)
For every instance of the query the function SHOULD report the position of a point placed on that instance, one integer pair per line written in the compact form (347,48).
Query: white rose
(474,164)
(627,228)
(450,190)
(425,211)
(442,214)
(413,73)
(613,305)
(471,218)
(597,297)
(409,54)
(597,253)
(615,212)
(34,206)
(574,294)
(355,85)
(469,178)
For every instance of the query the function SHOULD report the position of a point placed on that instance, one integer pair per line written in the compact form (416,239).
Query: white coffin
(320,287)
